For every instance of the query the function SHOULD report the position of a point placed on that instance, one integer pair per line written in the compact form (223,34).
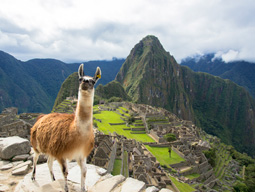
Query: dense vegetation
(170,137)
(68,88)
(249,164)
(211,156)
(112,91)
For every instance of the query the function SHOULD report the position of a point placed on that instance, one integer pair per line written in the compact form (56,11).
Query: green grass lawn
(122,112)
(112,117)
(162,155)
(183,187)
(192,176)
(116,167)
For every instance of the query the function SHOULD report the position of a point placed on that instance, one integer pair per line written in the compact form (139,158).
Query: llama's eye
(92,81)
(80,80)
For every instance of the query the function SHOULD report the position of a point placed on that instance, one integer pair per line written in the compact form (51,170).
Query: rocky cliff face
(151,75)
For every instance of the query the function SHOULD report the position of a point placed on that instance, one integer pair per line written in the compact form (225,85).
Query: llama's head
(86,82)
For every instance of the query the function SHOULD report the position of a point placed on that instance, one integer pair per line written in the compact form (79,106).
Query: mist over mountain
(33,86)
(240,72)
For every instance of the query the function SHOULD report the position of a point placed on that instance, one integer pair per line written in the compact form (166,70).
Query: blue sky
(82,30)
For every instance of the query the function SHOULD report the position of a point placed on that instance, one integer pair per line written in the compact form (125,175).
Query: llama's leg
(82,163)
(50,164)
(35,159)
(63,166)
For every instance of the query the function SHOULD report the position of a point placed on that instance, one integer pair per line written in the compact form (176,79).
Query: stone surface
(3,188)
(3,177)
(94,180)
(152,189)
(107,185)
(2,163)
(16,163)
(92,176)
(29,163)
(20,157)
(132,185)
(165,190)
(21,171)
(58,186)
(43,181)
(10,110)
(12,146)
(6,167)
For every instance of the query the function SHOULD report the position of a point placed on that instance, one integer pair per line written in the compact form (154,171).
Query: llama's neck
(84,110)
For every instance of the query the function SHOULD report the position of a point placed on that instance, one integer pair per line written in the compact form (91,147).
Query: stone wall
(178,152)
(18,128)
(112,158)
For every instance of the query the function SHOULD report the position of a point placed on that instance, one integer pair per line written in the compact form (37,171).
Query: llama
(67,136)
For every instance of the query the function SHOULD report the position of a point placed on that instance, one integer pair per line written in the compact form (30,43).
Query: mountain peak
(147,45)
(148,62)
(149,39)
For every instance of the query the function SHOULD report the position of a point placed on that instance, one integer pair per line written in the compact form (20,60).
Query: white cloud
(231,55)
(85,30)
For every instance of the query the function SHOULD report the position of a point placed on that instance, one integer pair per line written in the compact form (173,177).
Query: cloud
(77,30)
(231,55)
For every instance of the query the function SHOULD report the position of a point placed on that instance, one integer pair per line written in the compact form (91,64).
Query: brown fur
(84,114)
(57,135)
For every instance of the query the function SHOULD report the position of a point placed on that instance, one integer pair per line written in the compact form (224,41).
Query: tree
(240,187)
(169,137)
(211,156)
(131,119)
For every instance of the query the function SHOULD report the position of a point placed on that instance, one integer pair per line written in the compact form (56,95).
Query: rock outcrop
(12,146)
(97,180)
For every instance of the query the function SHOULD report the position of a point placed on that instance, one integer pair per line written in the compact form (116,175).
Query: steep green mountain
(151,75)
(33,86)
(240,72)
(18,88)
(68,88)
(112,90)
(50,74)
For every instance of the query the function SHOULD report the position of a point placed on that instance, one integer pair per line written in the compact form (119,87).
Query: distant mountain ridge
(150,75)
(32,86)
(240,72)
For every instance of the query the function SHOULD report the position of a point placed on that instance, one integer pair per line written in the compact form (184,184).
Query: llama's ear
(80,71)
(97,74)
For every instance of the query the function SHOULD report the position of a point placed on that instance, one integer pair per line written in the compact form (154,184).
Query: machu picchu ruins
(120,153)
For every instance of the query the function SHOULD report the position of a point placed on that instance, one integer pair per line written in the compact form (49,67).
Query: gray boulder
(12,146)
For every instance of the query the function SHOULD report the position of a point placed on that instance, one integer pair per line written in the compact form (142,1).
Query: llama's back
(50,133)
